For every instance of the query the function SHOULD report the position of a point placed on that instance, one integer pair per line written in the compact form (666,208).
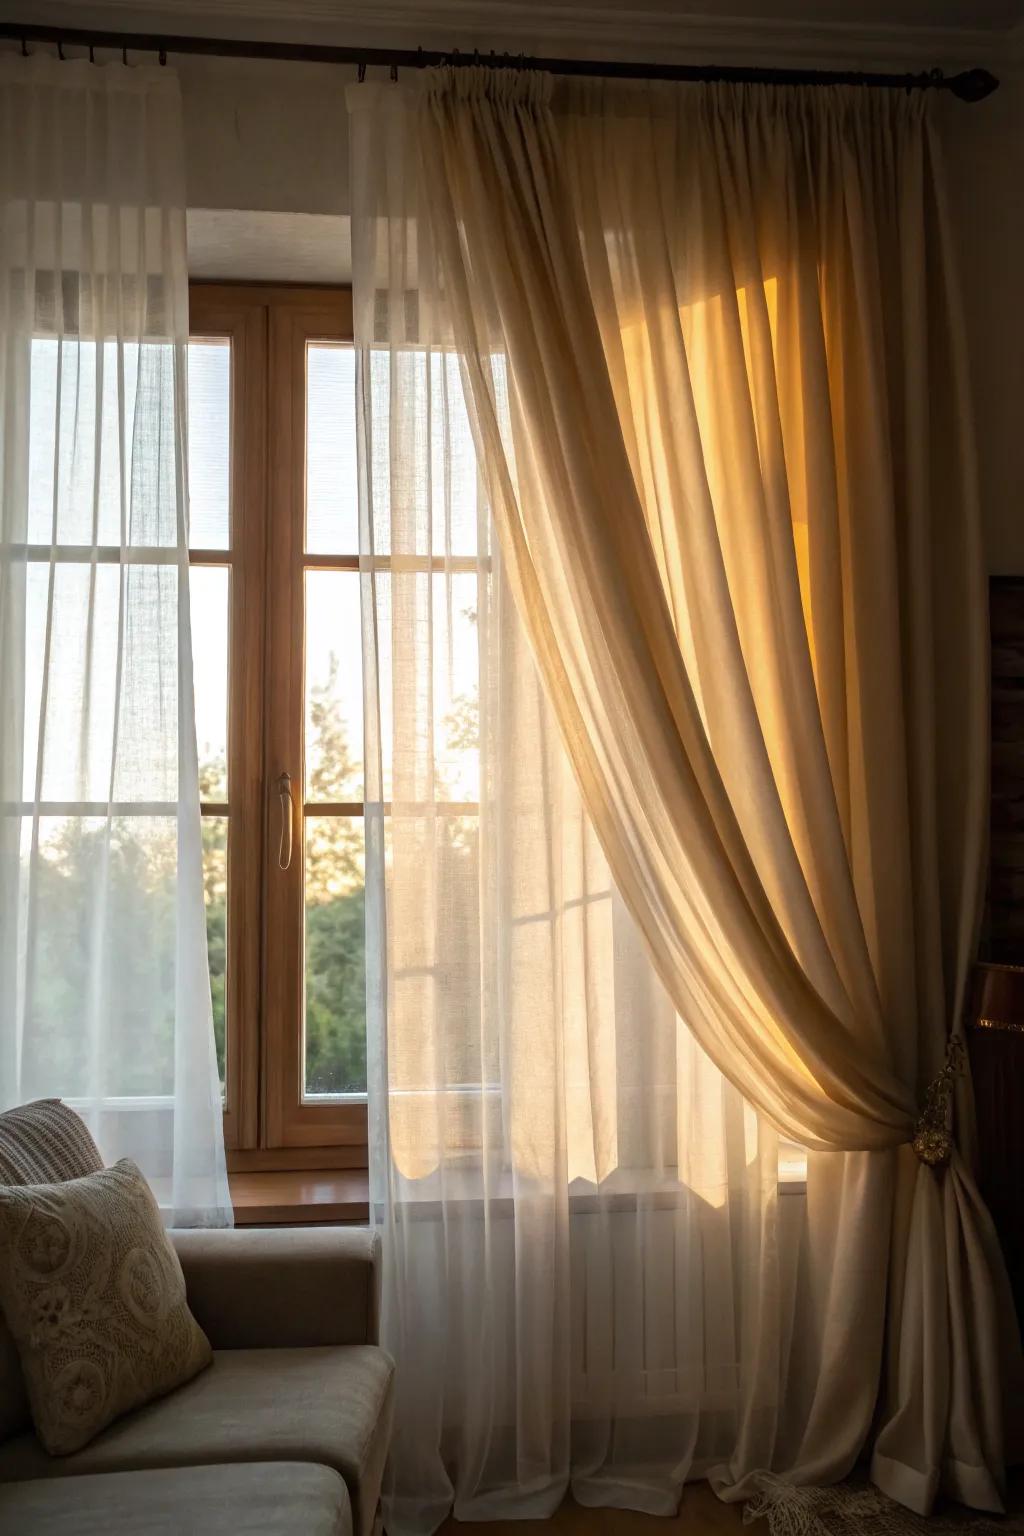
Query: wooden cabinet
(995,1038)
(996,1019)
(1004,918)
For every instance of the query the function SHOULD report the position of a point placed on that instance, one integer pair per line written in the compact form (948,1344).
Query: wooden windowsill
(311,1196)
(300,1197)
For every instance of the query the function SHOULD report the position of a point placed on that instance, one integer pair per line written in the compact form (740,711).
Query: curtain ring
(60,49)
(394,73)
(92,54)
(361,71)
(124,57)
(24,49)
(162,58)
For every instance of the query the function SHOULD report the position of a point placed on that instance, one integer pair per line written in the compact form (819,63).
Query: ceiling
(535,18)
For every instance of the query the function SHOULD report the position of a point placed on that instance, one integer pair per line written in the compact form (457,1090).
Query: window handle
(287,804)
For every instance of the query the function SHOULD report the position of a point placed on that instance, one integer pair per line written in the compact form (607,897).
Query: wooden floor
(700,1514)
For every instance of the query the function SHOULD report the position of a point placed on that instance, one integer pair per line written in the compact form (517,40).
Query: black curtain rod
(970,85)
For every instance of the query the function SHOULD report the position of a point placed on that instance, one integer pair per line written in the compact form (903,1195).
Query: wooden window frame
(267,1125)
(217,315)
(305,318)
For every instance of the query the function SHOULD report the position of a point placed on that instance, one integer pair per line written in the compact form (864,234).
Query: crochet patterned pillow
(40,1143)
(94,1297)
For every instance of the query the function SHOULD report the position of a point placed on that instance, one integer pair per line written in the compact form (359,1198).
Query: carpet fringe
(855,1508)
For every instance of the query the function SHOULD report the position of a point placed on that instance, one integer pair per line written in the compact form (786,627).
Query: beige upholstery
(269,1499)
(288,1429)
(45,1143)
(329,1404)
(282,1287)
(15,1414)
(40,1143)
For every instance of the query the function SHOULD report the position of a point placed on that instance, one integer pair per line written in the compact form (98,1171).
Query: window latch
(287,804)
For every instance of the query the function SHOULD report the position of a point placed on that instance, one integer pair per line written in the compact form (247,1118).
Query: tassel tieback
(933,1135)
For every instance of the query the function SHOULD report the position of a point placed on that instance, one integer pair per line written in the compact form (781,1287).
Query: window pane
(100,646)
(332,518)
(334,687)
(215,890)
(130,863)
(444,509)
(334,1040)
(430,740)
(209,444)
(456,644)
(457,503)
(84,484)
(210,602)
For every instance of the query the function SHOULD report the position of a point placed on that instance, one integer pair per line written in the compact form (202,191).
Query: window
(278,643)
(96,819)
(279,716)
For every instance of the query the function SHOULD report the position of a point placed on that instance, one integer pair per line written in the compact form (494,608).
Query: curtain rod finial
(973,84)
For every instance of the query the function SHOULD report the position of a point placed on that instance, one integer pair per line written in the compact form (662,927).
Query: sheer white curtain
(103,967)
(588,1269)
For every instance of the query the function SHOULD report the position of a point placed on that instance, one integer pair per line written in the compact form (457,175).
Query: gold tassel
(933,1137)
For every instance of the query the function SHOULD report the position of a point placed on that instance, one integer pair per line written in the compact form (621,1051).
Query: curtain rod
(970,85)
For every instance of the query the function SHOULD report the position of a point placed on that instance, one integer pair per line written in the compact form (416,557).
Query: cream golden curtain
(711,352)
(588,1270)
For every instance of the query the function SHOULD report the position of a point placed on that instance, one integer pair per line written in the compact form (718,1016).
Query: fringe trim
(855,1509)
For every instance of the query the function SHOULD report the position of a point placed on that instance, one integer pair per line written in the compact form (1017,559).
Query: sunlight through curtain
(103,964)
(712,363)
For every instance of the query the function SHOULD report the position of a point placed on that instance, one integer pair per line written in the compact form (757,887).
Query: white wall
(265,136)
(266,157)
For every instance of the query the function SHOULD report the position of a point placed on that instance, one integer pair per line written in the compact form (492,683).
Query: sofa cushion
(261,1499)
(40,1143)
(281,1287)
(329,1404)
(45,1143)
(95,1300)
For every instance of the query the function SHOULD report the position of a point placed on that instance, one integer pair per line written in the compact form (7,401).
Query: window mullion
(282,976)
(237,317)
